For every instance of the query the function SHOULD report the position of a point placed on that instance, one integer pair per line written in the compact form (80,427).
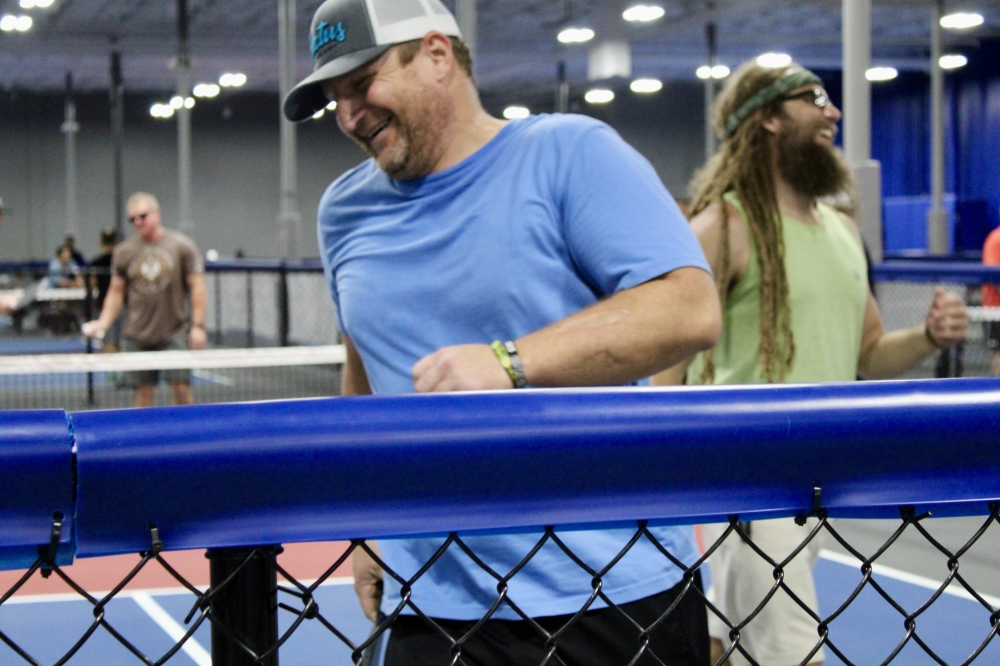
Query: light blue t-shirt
(553,214)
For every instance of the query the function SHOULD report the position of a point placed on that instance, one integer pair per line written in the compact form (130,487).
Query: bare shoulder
(707,226)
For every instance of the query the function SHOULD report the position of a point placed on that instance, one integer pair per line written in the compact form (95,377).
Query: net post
(250,324)
(218,308)
(246,607)
(88,314)
(283,322)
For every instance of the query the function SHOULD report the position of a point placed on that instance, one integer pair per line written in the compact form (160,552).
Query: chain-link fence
(464,466)
(251,303)
(905,289)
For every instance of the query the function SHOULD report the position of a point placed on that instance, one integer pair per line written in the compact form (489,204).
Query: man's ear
(772,124)
(437,47)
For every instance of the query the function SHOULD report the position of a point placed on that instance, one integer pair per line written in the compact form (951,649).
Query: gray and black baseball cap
(346,34)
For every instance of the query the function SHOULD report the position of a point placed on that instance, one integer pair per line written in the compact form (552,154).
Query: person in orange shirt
(991,299)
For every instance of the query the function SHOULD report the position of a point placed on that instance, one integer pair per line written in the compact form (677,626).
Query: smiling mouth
(827,134)
(375,132)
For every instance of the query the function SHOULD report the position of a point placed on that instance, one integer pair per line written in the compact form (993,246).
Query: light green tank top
(828,290)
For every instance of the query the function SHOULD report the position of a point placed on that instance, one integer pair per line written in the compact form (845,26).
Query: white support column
(857,48)
(610,55)
(70,128)
(937,218)
(184,218)
(468,23)
(289,218)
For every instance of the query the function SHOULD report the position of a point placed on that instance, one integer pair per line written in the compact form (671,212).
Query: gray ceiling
(517,49)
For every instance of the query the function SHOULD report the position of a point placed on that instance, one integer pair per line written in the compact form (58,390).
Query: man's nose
(833,112)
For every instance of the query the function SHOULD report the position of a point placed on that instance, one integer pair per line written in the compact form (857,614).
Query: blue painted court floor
(867,632)
(47,629)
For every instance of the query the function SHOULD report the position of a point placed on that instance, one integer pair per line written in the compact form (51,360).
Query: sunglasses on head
(816,95)
(136,218)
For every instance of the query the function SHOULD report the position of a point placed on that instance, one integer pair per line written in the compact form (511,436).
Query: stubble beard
(813,169)
(419,143)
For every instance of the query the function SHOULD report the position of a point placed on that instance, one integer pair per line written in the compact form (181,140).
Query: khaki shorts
(132,379)
(782,634)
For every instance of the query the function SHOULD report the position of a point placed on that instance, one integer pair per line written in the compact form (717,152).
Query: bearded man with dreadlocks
(791,273)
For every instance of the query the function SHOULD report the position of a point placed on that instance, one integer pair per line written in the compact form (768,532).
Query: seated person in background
(70,242)
(991,299)
(63,271)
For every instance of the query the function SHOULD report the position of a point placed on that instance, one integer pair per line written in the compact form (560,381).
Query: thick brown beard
(812,169)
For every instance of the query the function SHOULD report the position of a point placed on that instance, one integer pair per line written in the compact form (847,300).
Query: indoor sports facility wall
(235,162)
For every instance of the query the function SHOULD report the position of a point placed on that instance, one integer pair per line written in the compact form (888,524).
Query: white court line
(153,592)
(173,629)
(928,583)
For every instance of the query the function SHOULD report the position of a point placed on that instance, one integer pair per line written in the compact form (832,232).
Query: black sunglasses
(140,216)
(816,95)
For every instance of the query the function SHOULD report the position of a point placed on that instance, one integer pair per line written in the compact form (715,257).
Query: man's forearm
(896,352)
(633,334)
(113,303)
(199,300)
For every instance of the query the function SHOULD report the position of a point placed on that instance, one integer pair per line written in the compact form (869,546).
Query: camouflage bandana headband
(796,79)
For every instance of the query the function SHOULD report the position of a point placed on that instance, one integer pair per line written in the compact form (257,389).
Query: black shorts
(136,378)
(600,637)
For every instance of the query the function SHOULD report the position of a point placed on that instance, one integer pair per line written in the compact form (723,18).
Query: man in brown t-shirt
(155,272)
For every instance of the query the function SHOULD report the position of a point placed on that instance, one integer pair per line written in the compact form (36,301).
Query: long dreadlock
(743,164)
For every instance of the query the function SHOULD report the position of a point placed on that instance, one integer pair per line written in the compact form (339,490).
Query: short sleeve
(191,258)
(621,225)
(119,266)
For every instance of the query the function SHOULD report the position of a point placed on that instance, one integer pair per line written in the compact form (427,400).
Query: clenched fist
(460,368)
(947,319)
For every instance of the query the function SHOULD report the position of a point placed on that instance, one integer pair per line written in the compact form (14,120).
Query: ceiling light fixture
(161,111)
(961,20)
(881,74)
(319,114)
(575,35)
(332,106)
(232,79)
(10,23)
(644,86)
(643,13)
(515,112)
(774,60)
(953,61)
(599,96)
(717,72)
(206,90)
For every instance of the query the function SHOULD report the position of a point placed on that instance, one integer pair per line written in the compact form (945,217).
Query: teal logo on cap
(325,34)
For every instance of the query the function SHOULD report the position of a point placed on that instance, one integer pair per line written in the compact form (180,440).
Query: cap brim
(307,97)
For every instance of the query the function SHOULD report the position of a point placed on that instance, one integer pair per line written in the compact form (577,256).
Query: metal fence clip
(156,545)
(817,503)
(48,554)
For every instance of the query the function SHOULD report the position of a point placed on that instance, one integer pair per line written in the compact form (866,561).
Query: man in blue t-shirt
(474,254)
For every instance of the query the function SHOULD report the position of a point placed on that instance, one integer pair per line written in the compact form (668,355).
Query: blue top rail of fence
(389,466)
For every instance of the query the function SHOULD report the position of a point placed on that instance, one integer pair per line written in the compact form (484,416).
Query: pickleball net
(105,381)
